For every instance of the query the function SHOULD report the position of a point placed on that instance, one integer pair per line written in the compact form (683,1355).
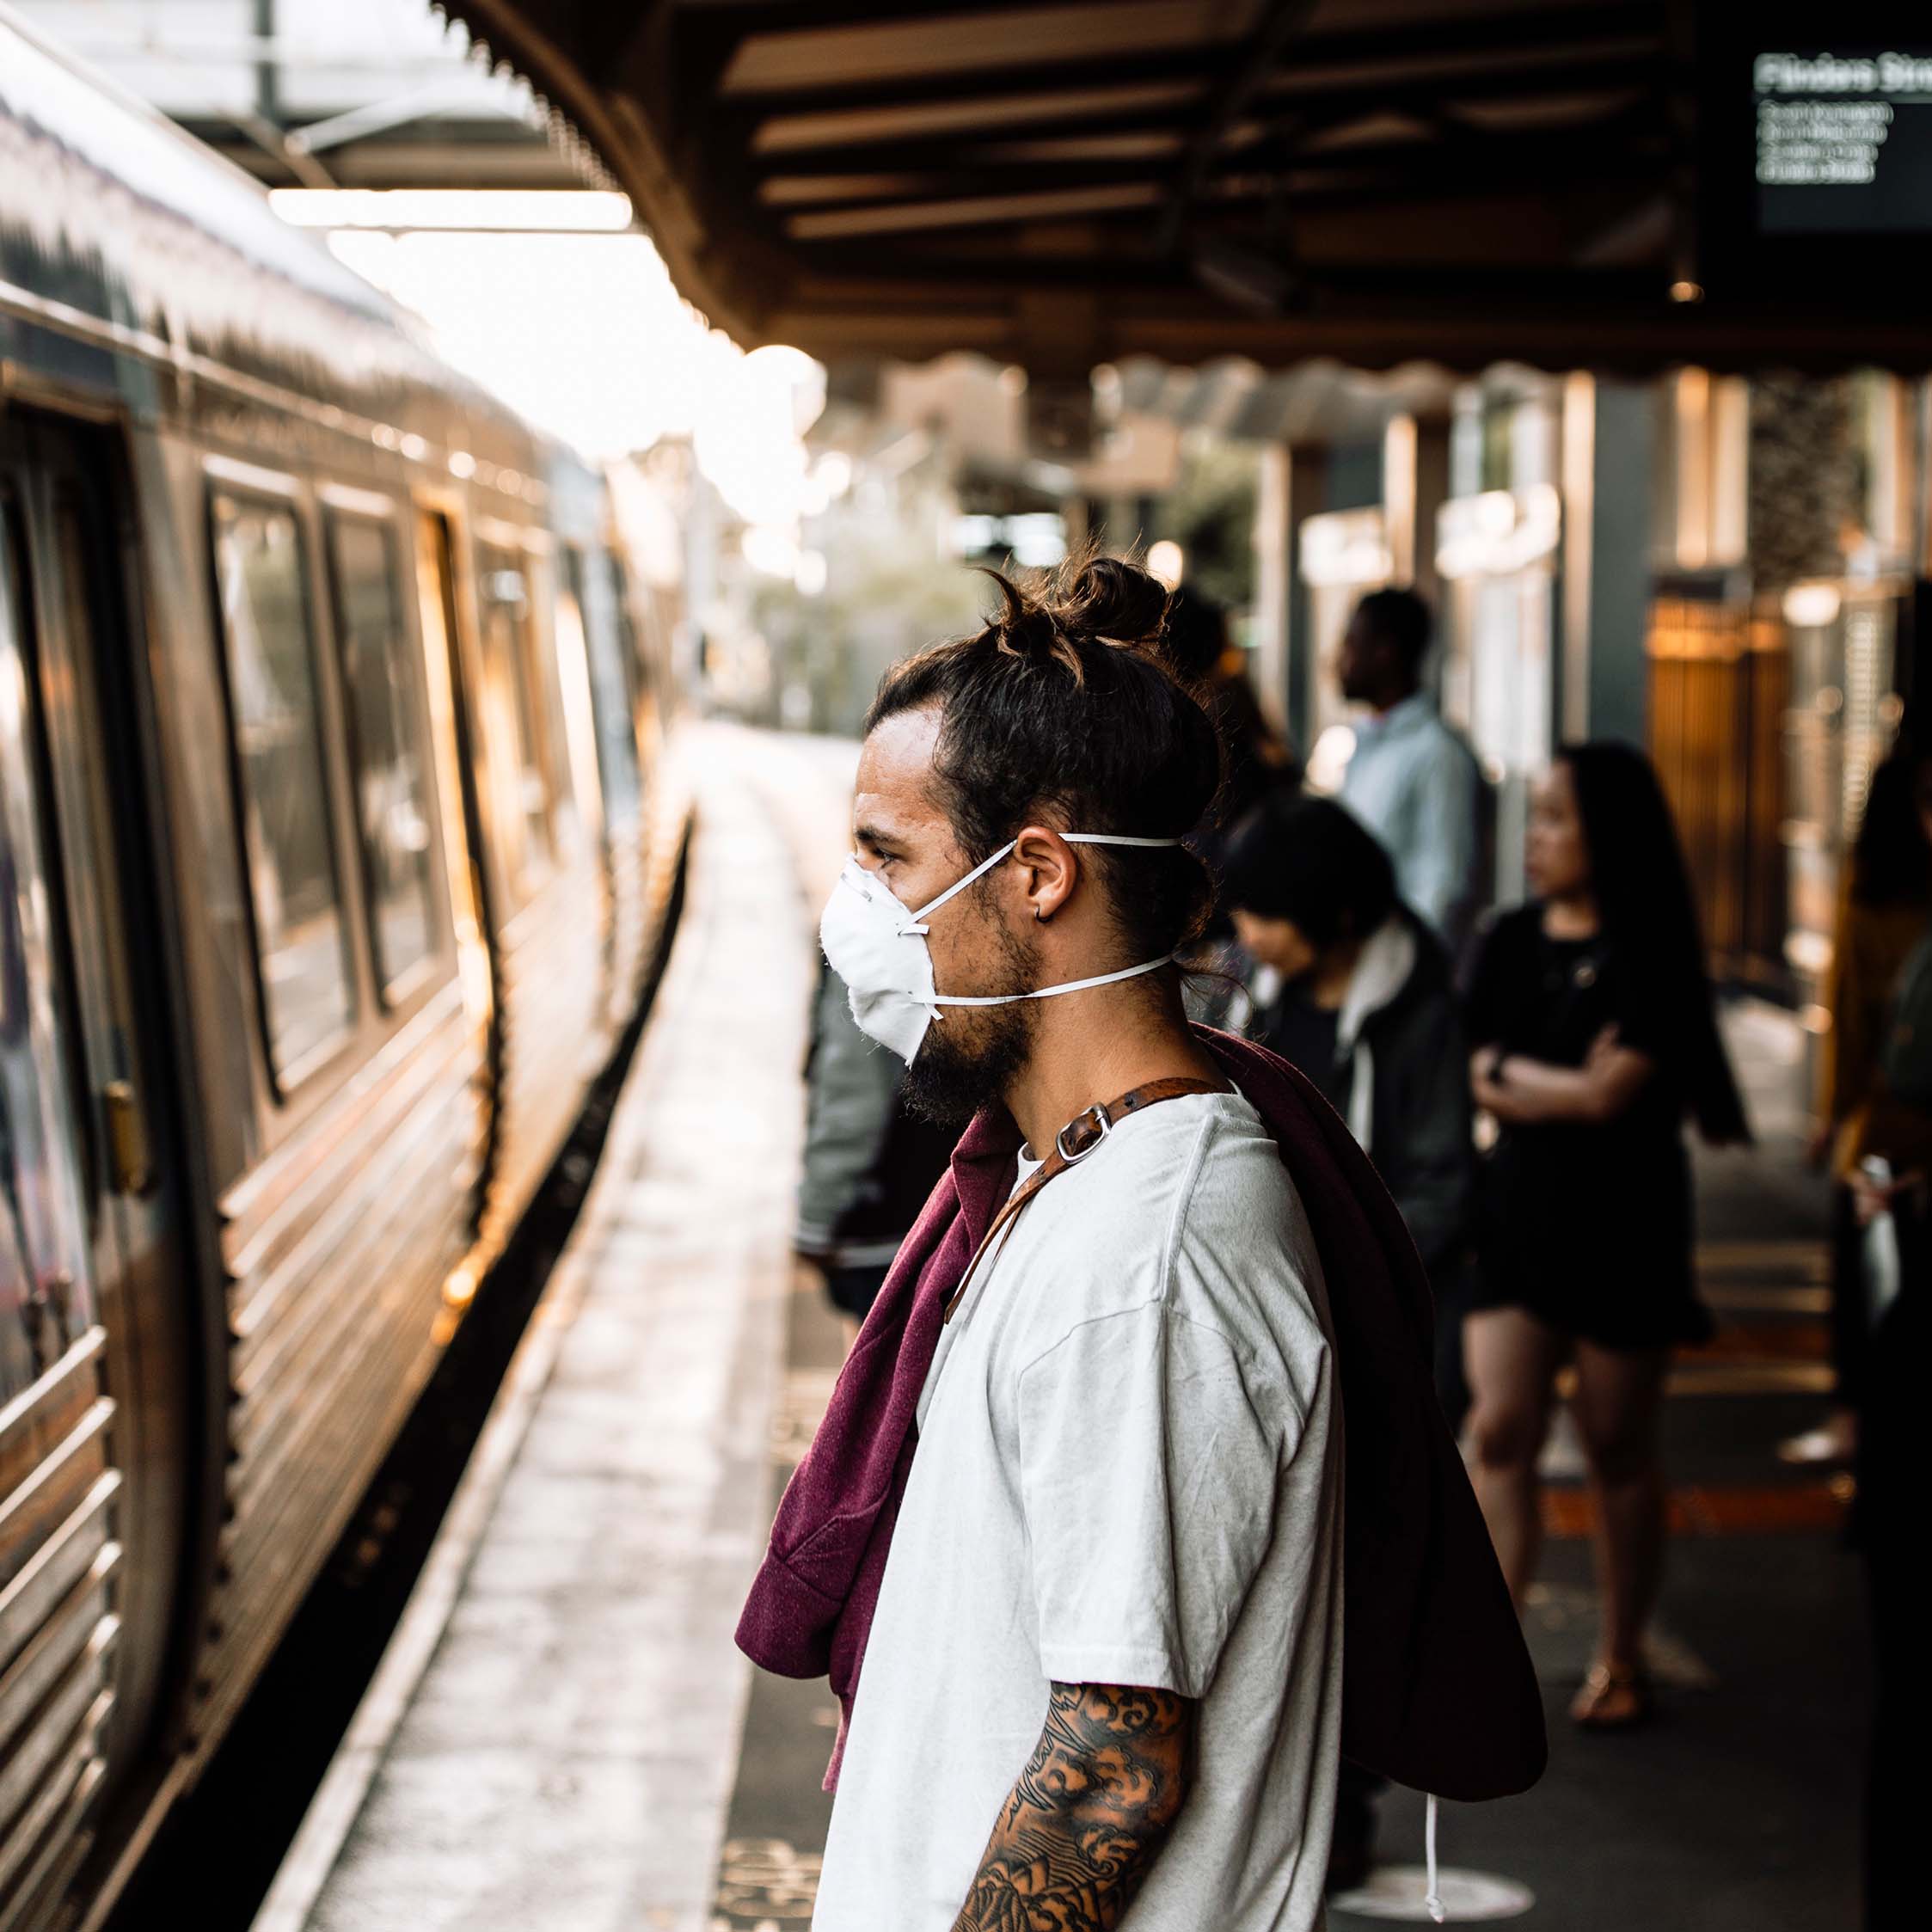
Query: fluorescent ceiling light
(575,211)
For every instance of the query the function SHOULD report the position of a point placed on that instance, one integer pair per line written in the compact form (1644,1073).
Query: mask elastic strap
(1109,839)
(1048,992)
(917,923)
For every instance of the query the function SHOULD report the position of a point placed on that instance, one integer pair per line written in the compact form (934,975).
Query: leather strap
(1072,1145)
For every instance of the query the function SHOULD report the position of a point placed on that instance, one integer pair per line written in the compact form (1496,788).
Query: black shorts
(1648,1303)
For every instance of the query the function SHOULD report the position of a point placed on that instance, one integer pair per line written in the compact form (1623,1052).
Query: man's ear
(1048,869)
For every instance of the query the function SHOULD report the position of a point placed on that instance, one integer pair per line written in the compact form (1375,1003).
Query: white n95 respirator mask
(878,948)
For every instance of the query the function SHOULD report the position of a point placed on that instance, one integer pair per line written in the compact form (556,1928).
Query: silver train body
(338,825)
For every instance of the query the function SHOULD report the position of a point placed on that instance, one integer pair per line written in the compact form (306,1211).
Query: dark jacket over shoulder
(1437,1689)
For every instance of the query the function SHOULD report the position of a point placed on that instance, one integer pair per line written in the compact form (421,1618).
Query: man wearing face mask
(1126,1491)
(1099,1609)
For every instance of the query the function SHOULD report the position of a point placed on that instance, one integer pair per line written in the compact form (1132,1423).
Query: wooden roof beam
(927,44)
(1280,22)
(1506,33)
(886,108)
(1510,37)
(1639,137)
(1396,67)
(1159,115)
(746,17)
(1017,82)
(860,136)
(899,217)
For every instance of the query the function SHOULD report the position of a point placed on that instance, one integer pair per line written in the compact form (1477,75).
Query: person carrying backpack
(1072,1538)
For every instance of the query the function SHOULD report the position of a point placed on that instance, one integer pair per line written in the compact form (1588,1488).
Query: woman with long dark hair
(1596,1033)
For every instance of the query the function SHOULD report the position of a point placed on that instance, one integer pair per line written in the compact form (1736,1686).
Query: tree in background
(1210,514)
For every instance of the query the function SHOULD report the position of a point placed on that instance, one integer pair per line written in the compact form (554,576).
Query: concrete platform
(552,1739)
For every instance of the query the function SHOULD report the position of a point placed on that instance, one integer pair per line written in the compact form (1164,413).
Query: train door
(451,728)
(93,1392)
(453,738)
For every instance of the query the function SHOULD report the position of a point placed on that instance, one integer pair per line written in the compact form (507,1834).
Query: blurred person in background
(1881,1302)
(1596,1033)
(1363,1004)
(1882,915)
(1076,1507)
(1411,780)
(869,1163)
(1888,1515)
(1889,1526)
(1215,669)
(1257,764)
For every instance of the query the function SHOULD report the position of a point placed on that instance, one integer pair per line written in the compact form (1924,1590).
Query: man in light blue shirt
(1416,784)
(1411,780)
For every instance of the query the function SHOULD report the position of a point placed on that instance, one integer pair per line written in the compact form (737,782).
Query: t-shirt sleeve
(1148,1466)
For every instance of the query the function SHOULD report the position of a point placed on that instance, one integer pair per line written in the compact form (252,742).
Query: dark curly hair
(1063,707)
(1314,861)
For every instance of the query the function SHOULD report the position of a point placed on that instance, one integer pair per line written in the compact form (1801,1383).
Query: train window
(389,746)
(515,706)
(45,1302)
(307,992)
(547,674)
(594,599)
(630,647)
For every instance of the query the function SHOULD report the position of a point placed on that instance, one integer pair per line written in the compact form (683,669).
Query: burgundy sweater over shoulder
(1437,1690)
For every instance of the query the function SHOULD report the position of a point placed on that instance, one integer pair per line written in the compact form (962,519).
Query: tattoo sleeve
(1079,1832)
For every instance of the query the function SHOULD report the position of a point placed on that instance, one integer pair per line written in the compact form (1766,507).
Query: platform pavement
(551,1739)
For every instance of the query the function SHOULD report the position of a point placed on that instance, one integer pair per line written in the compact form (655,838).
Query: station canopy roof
(1063,184)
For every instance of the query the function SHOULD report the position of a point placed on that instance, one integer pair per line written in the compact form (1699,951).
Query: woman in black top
(1596,1035)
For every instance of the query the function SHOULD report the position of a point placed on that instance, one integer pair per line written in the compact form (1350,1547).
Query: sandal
(1611,1699)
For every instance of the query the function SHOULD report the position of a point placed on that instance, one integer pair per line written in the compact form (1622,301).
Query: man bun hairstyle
(1062,708)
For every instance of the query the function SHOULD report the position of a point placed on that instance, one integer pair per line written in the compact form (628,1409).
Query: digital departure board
(1843,141)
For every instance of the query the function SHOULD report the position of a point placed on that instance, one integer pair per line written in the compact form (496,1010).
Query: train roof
(122,234)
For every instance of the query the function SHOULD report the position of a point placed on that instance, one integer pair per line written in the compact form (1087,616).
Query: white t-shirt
(1129,1471)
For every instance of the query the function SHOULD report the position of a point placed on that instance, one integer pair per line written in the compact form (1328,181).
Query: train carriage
(337,828)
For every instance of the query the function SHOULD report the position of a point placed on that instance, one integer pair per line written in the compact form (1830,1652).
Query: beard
(972,1054)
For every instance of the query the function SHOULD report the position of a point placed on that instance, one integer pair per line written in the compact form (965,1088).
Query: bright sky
(584,334)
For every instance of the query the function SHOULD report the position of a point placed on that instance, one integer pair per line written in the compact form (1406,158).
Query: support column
(1294,485)
(1416,483)
(1273,575)
(1310,472)
(1603,669)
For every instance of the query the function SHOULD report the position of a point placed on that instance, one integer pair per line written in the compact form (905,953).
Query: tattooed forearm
(1086,1817)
